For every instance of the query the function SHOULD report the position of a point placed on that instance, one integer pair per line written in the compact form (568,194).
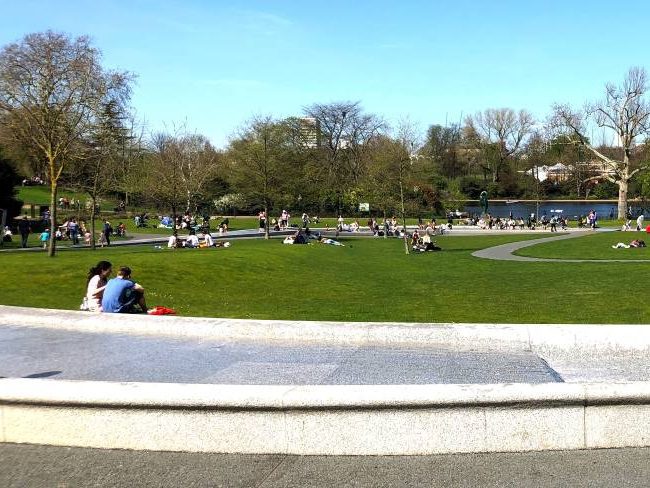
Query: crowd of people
(490,222)
(72,230)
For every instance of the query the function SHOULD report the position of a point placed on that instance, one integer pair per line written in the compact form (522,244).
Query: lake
(568,208)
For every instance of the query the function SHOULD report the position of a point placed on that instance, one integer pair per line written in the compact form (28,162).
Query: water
(569,209)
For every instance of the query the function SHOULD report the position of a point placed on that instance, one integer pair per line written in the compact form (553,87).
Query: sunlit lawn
(597,245)
(368,280)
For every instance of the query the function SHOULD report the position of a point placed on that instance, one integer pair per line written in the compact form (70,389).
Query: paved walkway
(30,465)
(137,239)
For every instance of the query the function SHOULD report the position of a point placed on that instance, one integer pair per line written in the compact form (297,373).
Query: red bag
(161,311)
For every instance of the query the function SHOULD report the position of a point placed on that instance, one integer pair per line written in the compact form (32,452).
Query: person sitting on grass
(192,240)
(207,240)
(415,238)
(97,279)
(123,295)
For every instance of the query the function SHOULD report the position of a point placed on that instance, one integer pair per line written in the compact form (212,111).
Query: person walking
(73,228)
(24,229)
(107,230)
(639,222)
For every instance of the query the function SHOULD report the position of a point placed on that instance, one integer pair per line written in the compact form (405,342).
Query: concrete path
(138,239)
(504,252)
(34,466)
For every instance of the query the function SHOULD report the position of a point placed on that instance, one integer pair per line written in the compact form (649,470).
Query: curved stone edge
(325,420)
(573,339)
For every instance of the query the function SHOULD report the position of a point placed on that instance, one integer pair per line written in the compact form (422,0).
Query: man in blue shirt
(122,294)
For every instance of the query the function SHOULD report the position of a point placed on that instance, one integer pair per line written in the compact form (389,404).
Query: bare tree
(181,166)
(345,131)
(51,90)
(626,113)
(501,133)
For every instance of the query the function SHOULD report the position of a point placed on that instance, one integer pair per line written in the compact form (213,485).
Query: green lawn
(597,245)
(369,279)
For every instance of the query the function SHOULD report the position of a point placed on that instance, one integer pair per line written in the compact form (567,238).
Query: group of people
(422,242)
(194,241)
(489,222)
(121,294)
(33,181)
(303,236)
(66,203)
(72,230)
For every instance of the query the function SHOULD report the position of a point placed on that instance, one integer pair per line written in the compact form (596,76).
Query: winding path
(504,252)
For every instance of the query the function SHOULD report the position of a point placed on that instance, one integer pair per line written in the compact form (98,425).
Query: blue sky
(214,64)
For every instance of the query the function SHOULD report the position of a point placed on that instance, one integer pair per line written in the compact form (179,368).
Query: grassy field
(369,279)
(591,246)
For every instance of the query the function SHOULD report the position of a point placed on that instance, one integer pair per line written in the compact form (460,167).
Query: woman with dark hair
(97,279)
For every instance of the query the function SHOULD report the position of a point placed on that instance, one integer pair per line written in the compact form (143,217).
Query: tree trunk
(92,222)
(174,230)
(53,192)
(266,221)
(622,198)
(401,194)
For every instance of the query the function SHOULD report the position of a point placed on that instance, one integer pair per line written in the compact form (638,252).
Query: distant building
(561,172)
(310,132)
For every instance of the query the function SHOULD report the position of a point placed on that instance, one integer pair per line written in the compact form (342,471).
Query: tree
(441,148)
(500,133)
(180,166)
(625,113)
(9,205)
(345,131)
(96,170)
(258,157)
(392,169)
(51,92)
(130,172)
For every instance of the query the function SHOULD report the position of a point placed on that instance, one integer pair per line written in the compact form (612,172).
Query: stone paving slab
(41,352)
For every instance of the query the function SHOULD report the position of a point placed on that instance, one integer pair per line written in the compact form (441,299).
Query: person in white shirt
(192,241)
(207,239)
(97,279)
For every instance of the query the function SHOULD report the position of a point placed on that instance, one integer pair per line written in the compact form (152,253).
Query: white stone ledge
(551,339)
(335,420)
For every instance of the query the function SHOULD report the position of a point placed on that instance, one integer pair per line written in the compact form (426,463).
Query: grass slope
(368,280)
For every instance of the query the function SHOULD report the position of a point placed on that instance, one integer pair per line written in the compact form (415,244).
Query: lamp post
(344,113)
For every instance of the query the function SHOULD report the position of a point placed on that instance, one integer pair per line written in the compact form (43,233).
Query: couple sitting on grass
(117,295)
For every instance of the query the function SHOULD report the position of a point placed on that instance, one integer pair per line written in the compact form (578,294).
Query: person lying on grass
(633,243)
(123,295)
